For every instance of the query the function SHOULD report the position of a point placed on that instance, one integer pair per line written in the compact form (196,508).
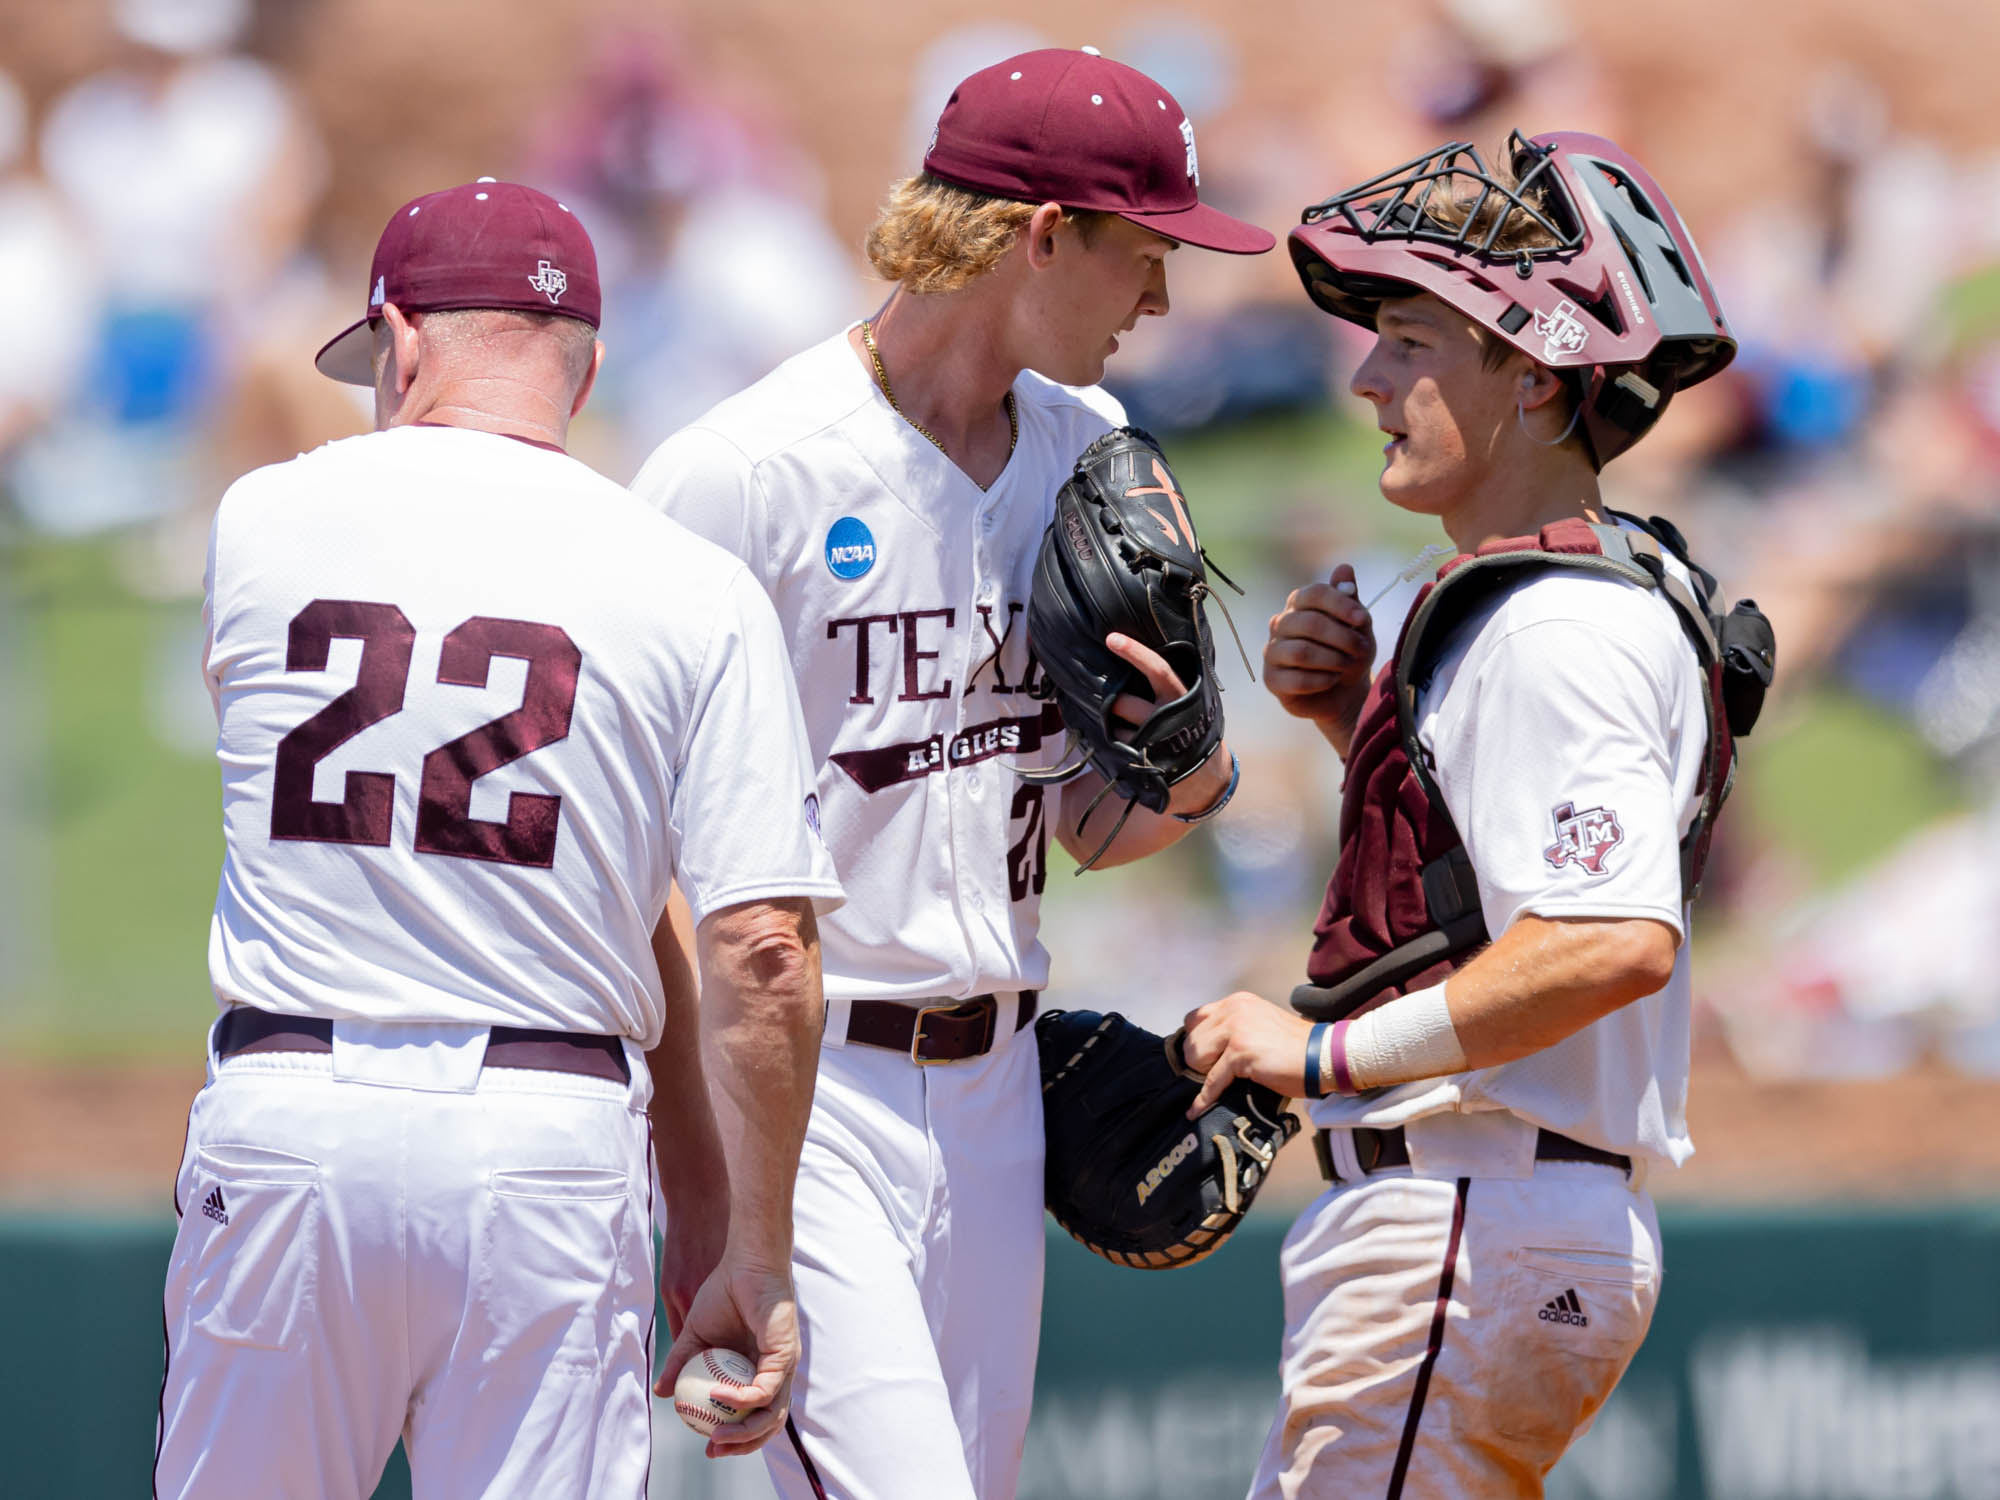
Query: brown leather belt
(1376,1149)
(943,1031)
(247,1029)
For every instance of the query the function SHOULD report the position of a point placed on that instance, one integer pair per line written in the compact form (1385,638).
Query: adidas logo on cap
(1565,1309)
(215,1208)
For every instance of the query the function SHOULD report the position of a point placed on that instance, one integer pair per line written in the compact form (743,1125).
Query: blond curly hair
(934,236)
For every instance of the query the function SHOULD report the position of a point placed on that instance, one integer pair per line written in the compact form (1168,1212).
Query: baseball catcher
(1120,556)
(1128,1174)
(1494,1045)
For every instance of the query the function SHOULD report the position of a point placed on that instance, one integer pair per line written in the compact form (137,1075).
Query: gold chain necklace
(882,376)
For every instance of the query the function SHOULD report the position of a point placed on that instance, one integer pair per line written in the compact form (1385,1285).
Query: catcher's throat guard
(1128,1174)
(1120,554)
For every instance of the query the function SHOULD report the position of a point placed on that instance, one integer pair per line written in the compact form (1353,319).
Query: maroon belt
(247,1029)
(939,1032)
(1376,1149)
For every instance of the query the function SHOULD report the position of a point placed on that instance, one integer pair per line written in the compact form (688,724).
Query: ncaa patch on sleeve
(850,548)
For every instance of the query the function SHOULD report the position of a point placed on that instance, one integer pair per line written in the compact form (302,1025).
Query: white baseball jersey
(478,711)
(1568,731)
(901,587)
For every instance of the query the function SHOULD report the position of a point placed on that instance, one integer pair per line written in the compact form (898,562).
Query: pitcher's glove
(1121,555)
(1129,1175)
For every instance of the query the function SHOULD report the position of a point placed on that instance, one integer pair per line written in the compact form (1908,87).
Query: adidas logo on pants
(1565,1309)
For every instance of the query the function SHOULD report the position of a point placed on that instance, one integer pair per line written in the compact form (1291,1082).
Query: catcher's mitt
(1121,555)
(1129,1175)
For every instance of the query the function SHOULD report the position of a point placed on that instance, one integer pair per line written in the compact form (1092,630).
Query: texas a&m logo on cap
(1584,838)
(548,280)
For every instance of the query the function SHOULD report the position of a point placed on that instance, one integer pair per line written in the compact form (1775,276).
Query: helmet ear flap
(1621,404)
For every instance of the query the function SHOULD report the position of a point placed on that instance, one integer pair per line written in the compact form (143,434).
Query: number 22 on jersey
(445,825)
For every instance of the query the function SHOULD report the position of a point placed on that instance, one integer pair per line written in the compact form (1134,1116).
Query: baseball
(704,1394)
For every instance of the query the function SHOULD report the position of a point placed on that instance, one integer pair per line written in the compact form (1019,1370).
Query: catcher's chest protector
(1402,910)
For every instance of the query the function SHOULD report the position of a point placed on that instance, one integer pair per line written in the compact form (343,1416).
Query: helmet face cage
(1398,203)
(1580,262)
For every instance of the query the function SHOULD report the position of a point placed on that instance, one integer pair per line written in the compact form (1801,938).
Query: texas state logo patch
(850,548)
(1584,838)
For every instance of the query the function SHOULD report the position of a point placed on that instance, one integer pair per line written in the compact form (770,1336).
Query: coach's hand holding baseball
(746,1305)
(1317,661)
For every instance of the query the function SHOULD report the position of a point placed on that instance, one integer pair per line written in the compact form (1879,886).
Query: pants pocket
(1570,1320)
(254,1215)
(549,1278)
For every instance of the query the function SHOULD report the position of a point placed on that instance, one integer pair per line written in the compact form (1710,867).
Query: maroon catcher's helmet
(1616,292)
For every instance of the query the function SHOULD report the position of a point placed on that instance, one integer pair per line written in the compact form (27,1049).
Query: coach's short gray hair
(466,329)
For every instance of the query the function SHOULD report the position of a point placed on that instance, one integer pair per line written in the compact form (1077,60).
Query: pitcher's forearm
(1145,832)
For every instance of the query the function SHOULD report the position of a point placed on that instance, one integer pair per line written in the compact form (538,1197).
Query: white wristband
(1410,1037)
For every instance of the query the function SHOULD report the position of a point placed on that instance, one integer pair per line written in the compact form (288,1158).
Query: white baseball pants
(1448,1336)
(460,1258)
(918,1263)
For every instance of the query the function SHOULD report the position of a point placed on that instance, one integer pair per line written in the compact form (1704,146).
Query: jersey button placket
(962,838)
(972,866)
(975,780)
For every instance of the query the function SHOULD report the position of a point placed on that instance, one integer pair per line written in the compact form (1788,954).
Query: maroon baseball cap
(486,244)
(1081,130)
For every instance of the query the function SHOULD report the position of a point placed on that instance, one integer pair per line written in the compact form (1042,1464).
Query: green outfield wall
(1794,1356)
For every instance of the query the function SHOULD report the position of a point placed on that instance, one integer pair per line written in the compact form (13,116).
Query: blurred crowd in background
(180,225)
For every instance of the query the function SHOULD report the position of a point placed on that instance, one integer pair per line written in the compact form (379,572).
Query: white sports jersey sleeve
(1591,830)
(478,710)
(716,494)
(745,812)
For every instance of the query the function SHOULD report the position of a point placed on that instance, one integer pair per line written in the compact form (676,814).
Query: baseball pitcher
(890,488)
